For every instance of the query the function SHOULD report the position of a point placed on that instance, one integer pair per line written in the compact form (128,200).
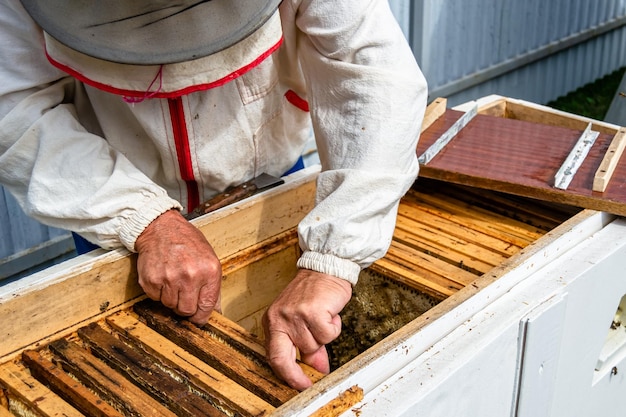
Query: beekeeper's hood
(148,32)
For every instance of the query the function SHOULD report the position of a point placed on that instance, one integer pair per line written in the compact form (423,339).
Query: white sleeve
(367,97)
(60,173)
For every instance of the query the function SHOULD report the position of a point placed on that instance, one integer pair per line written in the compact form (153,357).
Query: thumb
(317,359)
(282,358)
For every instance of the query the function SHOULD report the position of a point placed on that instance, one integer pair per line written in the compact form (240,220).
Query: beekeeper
(118,117)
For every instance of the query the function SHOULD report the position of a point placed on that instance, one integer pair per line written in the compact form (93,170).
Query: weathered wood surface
(247,292)
(520,151)
(434,111)
(146,372)
(234,335)
(104,380)
(346,400)
(447,238)
(67,387)
(609,162)
(29,395)
(89,287)
(453,233)
(200,376)
(121,366)
(254,376)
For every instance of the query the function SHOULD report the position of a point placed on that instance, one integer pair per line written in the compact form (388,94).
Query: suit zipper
(183,151)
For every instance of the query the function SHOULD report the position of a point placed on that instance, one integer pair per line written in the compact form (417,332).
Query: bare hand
(304,318)
(177,266)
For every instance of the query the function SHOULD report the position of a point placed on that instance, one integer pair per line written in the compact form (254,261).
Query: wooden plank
(473,257)
(454,276)
(422,271)
(67,387)
(434,111)
(543,115)
(246,293)
(609,162)
(224,391)
(344,401)
(59,298)
(259,251)
(540,214)
(5,412)
(257,378)
(492,105)
(500,227)
(236,336)
(105,282)
(519,154)
(260,217)
(453,229)
(31,394)
(4,401)
(145,371)
(430,285)
(103,380)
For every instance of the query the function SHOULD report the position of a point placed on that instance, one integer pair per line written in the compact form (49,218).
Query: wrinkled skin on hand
(177,266)
(304,317)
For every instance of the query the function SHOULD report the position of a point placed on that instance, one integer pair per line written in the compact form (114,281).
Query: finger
(206,301)
(152,289)
(187,302)
(324,331)
(169,296)
(317,359)
(282,359)
(218,304)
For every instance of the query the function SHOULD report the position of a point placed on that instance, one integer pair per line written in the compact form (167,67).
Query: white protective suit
(103,149)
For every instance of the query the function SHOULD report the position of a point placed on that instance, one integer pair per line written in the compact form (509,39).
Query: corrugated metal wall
(25,243)
(536,50)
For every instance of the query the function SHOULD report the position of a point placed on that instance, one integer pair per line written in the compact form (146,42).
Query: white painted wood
(595,292)
(542,331)
(381,372)
(615,342)
(472,371)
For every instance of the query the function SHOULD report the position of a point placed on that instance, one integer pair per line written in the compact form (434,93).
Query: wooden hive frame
(517,147)
(84,306)
(256,238)
(102,316)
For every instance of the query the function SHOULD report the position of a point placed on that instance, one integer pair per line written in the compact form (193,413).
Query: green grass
(591,100)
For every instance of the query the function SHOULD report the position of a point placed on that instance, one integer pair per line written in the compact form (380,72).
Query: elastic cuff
(136,224)
(330,265)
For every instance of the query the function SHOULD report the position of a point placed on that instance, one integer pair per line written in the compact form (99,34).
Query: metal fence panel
(534,49)
(26,243)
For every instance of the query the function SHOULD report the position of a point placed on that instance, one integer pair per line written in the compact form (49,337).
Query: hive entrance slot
(614,346)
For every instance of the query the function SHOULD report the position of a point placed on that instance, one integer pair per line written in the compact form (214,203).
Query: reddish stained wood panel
(521,158)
